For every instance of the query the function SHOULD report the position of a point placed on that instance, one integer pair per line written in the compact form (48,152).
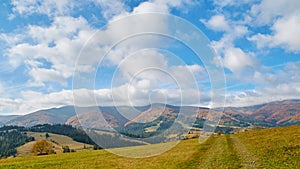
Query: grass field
(270,148)
(57,140)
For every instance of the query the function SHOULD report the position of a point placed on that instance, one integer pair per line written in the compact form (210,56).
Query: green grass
(270,148)
(274,148)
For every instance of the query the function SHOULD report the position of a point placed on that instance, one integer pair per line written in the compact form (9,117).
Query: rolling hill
(58,141)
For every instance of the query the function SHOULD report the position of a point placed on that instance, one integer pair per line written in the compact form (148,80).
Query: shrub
(42,147)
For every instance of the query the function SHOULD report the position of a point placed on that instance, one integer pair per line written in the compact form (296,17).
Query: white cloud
(233,58)
(42,75)
(147,74)
(268,11)
(271,84)
(61,27)
(217,22)
(224,3)
(67,34)
(285,34)
(284,20)
(134,64)
(147,7)
(30,101)
(50,7)
(60,43)
(236,60)
(161,6)
(285,85)
(112,8)
(263,95)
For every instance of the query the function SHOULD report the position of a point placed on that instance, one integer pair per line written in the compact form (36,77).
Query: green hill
(268,148)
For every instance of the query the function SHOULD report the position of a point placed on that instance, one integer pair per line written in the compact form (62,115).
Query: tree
(66,149)
(42,147)
(47,135)
(97,147)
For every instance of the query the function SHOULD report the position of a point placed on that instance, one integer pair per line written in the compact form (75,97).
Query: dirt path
(248,160)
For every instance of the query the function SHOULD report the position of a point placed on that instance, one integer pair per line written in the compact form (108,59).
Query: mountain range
(278,113)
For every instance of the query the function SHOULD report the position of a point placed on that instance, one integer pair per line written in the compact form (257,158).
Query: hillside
(5,119)
(269,148)
(149,119)
(279,113)
(47,116)
(57,140)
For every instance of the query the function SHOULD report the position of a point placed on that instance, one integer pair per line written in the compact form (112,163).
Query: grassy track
(248,160)
(271,148)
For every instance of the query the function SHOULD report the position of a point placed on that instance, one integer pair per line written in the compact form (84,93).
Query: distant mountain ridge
(278,113)
(4,119)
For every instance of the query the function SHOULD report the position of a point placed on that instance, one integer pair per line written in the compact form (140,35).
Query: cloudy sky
(105,52)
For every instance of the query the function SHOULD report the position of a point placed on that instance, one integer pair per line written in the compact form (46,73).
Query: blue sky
(53,52)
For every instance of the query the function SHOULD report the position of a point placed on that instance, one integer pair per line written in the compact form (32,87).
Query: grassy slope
(274,148)
(271,148)
(57,140)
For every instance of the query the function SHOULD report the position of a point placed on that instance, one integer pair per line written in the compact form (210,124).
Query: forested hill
(12,137)
(10,140)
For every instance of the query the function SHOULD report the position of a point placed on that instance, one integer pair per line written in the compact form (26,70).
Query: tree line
(12,137)
(10,140)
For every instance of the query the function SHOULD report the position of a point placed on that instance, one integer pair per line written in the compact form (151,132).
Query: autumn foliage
(42,147)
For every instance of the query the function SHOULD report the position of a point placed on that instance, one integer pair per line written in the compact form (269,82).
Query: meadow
(268,148)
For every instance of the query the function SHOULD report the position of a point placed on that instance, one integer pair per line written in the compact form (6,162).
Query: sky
(182,52)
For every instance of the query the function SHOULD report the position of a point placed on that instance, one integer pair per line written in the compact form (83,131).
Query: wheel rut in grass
(248,160)
(216,152)
(213,154)
(200,154)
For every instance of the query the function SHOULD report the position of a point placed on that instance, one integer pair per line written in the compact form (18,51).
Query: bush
(42,147)
(66,149)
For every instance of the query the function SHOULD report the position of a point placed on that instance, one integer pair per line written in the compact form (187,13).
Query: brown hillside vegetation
(58,141)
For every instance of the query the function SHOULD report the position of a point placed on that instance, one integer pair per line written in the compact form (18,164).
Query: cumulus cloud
(284,20)
(285,34)
(49,53)
(58,44)
(263,95)
(112,8)
(31,101)
(42,75)
(224,3)
(233,58)
(61,42)
(49,8)
(217,22)
(271,84)
(236,60)
(268,11)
